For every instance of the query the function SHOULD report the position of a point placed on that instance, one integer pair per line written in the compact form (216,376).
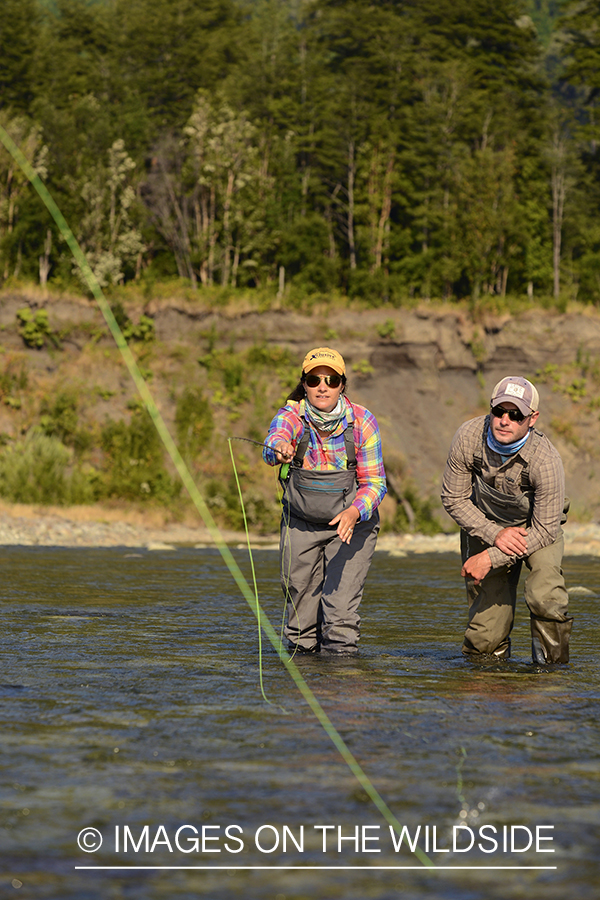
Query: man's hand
(512,541)
(477,567)
(284,452)
(345,522)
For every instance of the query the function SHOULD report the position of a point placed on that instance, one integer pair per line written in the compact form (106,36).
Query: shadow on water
(130,698)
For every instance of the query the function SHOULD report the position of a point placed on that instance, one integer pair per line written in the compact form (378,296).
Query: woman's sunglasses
(515,415)
(314,381)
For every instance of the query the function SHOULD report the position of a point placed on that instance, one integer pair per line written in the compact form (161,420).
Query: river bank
(22,525)
(220,373)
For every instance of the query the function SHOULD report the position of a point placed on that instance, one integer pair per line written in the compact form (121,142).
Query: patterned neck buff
(326,421)
(505,449)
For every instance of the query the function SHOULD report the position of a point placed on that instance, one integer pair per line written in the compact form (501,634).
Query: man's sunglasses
(515,415)
(314,381)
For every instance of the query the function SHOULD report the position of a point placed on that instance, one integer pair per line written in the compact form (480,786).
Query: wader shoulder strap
(302,446)
(478,455)
(533,445)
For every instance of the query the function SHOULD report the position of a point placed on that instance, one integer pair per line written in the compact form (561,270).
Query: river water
(131,705)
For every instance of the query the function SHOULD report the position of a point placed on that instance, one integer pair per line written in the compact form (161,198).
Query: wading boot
(501,652)
(550,640)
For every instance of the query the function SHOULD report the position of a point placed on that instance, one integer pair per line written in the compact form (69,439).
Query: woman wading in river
(332,486)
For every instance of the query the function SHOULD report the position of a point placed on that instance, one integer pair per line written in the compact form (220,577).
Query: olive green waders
(492,604)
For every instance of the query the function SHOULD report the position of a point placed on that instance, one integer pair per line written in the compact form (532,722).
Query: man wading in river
(504,485)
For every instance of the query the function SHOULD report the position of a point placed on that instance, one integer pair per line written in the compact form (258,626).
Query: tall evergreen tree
(19,42)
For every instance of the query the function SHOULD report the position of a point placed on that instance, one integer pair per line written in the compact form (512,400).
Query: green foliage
(363,367)
(13,380)
(134,466)
(19,37)
(223,500)
(386,330)
(38,470)
(144,331)
(390,151)
(34,328)
(193,422)
(60,418)
(416,514)
(579,380)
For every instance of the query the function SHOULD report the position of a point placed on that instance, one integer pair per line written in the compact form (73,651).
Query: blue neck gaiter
(505,450)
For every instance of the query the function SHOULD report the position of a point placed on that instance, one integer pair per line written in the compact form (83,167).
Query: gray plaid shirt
(546,479)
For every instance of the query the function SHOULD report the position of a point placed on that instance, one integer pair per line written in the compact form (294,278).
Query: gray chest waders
(317,496)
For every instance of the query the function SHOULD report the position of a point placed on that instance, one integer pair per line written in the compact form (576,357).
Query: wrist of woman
(355,509)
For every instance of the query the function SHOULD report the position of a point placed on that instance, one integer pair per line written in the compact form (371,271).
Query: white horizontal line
(318,868)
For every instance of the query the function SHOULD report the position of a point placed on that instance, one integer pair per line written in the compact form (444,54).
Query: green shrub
(222,498)
(387,329)
(12,380)
(422,517)
(37,470)
(134,461)
(60,418)
(143,331)
(193,422)
(34,328)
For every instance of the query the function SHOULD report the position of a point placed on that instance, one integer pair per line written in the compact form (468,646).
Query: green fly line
(285,538)
(197,499)
(287,598)
(252,569)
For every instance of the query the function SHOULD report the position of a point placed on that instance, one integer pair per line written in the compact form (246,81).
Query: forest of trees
(399,149)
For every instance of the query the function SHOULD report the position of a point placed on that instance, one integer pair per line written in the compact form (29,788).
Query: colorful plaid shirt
(327,453)
(546,478)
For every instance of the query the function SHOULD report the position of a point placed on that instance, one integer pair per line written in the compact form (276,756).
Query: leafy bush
(416,514)
(37,470)
(387,330)
(134,464)
(143,331)
(12,380)
(34,328)
(60,418)
(223,500)
(193,422)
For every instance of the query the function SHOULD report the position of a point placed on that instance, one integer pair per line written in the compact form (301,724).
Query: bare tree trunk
(351,179)
(227,228)
(183,240)
(558,207)
(212,235)
(236,262)
(44,261)
(386,208)
(202,218)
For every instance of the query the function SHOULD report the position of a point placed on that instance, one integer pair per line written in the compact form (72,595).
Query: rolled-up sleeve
(286,426)
(370,471)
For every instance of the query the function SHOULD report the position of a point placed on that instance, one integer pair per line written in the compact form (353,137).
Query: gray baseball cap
(519,391)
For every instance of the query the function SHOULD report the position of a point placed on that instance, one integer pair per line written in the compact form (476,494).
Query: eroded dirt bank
(422,372)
